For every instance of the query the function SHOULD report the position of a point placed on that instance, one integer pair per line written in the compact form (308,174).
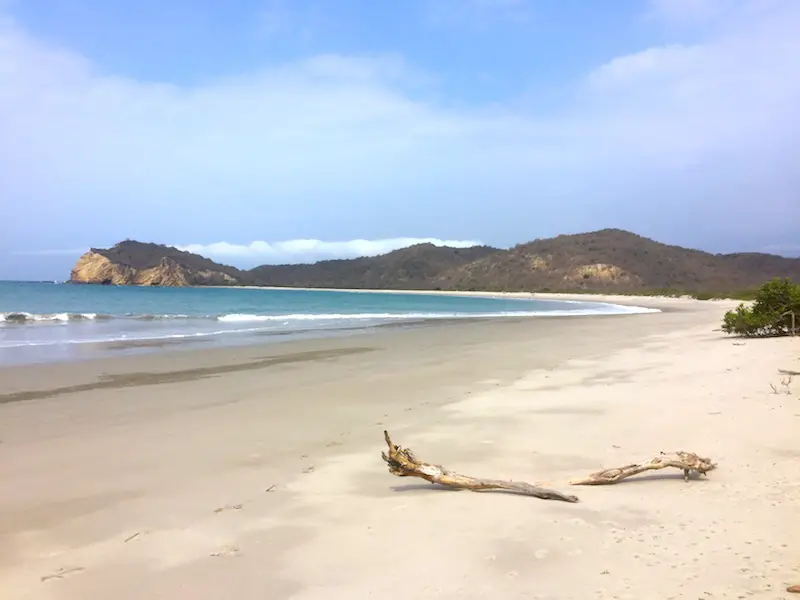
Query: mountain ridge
(608,260)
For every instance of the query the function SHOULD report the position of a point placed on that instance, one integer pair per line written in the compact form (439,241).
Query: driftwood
(403,463)
(687,461)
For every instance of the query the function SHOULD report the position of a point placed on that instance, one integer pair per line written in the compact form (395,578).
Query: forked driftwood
(403,463)
(687,461)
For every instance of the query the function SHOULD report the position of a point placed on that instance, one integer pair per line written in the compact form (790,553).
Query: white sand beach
(255,473)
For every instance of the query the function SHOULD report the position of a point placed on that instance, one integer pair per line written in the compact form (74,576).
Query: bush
(770,314)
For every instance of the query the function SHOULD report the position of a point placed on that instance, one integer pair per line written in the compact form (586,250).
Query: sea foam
(26,317)
(605,309)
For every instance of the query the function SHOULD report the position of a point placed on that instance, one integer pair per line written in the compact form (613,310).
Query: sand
(255,473)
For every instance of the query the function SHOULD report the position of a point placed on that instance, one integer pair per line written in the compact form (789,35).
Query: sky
(275,131)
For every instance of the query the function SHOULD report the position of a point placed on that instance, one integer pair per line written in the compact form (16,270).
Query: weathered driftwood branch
(688,461)
(403,463)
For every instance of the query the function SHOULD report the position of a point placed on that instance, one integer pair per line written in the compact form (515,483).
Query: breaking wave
(64,329)
(24,317)
(12,318)
(252,318)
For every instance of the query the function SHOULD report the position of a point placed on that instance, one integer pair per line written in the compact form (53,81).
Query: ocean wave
(16,318)
(25,317)
(610,309)
(243,323)
(65,317)
(160,317)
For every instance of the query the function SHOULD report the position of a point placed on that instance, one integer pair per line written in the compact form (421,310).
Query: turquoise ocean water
(50,321)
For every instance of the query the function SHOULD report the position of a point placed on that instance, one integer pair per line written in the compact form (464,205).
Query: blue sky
(290,130)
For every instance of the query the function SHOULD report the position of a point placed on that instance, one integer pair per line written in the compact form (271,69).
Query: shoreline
(234,472)
(566,296)
(103,362)
(204,335)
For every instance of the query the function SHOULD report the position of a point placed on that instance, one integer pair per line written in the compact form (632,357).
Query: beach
(255,472)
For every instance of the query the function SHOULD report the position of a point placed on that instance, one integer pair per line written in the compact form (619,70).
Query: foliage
(770,314)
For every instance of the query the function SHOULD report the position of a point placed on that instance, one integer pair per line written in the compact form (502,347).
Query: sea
(50,321)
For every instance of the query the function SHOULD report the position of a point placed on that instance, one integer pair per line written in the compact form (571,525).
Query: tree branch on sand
(403,463)
(687,461)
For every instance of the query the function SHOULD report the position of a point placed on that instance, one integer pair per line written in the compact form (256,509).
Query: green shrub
(770,313)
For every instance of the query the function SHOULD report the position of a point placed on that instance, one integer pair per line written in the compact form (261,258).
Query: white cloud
(364,145)
(298,251)
(709,102)
(335,115)
(657,62)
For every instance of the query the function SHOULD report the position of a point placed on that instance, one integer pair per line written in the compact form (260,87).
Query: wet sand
(256,473)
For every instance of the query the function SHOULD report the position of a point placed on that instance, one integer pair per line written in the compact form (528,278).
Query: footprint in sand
(61,573)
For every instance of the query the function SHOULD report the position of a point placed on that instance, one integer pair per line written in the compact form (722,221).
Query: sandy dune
(256,473)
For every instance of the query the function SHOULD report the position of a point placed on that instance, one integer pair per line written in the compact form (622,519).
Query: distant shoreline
(644,300)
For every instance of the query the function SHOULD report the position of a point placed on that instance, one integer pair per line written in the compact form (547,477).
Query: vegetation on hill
(775,311)
(610,261)
(143,255)
(618,261)
(413,268)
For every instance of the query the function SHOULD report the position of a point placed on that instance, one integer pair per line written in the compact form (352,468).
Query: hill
(617,260)
(138,263)
(415,267)
(140,256)
(610,260)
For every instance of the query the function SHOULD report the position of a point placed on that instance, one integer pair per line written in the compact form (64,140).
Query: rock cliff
(96,268)
(133,263)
